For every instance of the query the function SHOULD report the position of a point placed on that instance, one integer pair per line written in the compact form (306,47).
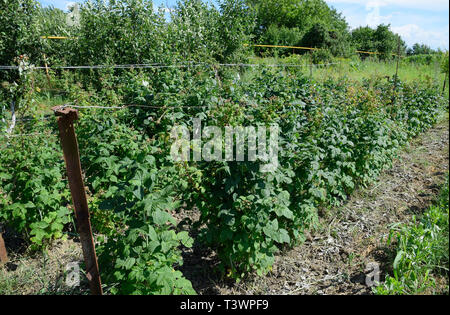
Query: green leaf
(162,217)
(284,236)
(185,239)
(152,246)
(398,259)
(152,233)
(39,225)
(129,263)
(226,235)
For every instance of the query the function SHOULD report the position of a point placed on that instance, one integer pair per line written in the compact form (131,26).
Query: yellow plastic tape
(310,48)
(54,37)
(374,53)
(276,46)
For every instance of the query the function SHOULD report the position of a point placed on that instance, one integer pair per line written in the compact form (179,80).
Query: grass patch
(358,70)
(42,273)
(421,262)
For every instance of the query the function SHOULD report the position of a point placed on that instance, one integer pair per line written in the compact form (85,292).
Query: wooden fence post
(46,72)
(445,82)
(396,75)
(66,117)
(396,68)
(3,252)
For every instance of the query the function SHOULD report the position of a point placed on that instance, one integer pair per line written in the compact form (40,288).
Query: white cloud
(69,4)
(413,33)
(433,5)
(374,18)
(416,21)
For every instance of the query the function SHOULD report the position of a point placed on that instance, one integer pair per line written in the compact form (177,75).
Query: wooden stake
(72,158)
(396,74)
(46,71)
(445,82)
(3,252)
(396,69)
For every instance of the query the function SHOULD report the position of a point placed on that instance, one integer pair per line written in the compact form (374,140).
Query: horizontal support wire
(133,105)
(29,134)
(154,65)
(161,66)
(138,105)
(46,117)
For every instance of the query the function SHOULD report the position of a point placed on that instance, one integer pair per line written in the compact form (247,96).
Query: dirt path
(335,260)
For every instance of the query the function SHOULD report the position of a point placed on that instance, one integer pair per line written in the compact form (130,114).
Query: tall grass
(358,69)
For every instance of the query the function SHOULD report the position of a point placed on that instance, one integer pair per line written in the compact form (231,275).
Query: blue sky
(423,21)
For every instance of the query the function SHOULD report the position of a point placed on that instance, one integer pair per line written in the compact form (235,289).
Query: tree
(288,21)
(282,35)
(53,22)
(235,27)
(381,40)
(18,33)
(120,32)
(444,63)
(420,49)
(295,13)
(386,42)
(363,37)
(321,36)
(19,46)
(445,69)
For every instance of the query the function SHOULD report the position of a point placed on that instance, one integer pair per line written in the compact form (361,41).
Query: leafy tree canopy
(380,39)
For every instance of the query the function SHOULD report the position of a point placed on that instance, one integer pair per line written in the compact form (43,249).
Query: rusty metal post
(3,252)
(66,117)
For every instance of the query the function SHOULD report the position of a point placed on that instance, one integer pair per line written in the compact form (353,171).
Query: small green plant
(422,252)
(141,260)
(35,196)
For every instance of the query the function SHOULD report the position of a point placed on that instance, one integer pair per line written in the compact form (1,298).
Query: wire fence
(124,106)
(260,45)
(160,66)
(187,64)
(45,117)
(28,134)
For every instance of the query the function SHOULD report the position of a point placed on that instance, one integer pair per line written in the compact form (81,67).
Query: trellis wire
(160,66)
(28,134)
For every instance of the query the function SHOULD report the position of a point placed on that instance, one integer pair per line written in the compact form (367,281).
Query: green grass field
(356,69)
